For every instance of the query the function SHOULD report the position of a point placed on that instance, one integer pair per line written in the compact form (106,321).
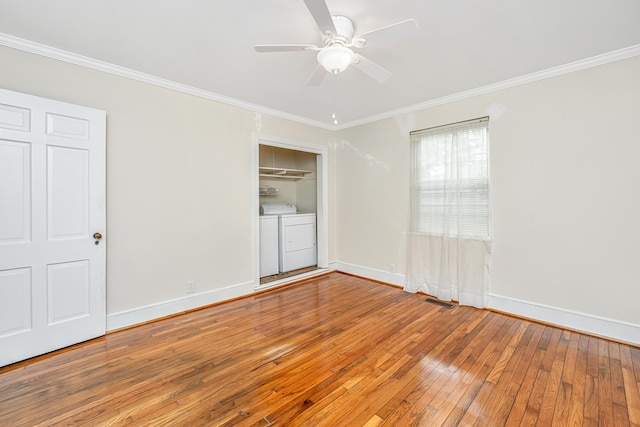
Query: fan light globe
(335,59)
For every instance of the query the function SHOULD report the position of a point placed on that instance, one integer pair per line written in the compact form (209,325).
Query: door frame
(322,201)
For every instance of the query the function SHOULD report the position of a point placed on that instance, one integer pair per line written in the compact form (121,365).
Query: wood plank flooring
(332,351)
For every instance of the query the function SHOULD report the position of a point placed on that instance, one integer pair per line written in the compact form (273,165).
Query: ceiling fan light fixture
(335,59)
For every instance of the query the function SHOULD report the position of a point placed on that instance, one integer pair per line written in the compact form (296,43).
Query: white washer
(297,241)
(278,209)
(268,245)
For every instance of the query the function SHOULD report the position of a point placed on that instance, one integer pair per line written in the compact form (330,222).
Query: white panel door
(52,202)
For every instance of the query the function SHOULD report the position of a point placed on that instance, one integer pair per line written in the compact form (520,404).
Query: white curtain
(449,245)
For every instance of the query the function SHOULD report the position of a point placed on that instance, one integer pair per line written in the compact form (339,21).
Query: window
(450,180)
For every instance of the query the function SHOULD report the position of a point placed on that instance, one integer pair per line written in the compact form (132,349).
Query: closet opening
(291,219)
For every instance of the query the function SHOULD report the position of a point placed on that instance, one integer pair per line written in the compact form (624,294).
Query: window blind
(450,180)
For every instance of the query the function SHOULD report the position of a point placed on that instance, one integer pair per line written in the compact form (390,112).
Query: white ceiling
(208,45)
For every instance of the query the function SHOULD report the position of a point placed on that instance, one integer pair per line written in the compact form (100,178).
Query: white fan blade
(317,76)
(371,69)
(284,47)
(391,33)
(321,15)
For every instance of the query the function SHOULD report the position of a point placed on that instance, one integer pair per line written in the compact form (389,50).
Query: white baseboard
(146,313)
(611,328)
(370,273)
(135,316)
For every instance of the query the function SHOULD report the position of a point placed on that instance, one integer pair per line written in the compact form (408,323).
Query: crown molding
(84,61)
(606,58)
(95,64)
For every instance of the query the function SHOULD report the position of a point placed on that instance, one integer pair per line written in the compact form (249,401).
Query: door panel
(68,193)
(15,301)
(52,200)
(67,127)
(68,291)
(13,117)
(15,191)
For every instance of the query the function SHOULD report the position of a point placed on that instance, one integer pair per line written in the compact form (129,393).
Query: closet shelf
(285,173)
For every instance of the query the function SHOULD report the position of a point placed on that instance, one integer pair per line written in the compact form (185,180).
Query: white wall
(565,188)
(179,190)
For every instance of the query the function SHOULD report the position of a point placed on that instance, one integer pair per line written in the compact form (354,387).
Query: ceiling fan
(338,42)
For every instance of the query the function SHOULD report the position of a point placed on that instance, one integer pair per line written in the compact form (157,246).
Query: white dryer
(297,241)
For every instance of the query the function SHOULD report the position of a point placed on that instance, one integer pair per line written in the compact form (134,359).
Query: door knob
(97,236)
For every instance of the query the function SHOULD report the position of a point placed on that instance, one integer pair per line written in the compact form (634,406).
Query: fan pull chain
(335,83)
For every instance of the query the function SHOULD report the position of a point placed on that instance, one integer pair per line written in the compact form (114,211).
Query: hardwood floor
(331,351)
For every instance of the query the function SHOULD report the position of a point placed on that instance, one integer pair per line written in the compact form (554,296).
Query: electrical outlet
(191,286)
(392,268)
